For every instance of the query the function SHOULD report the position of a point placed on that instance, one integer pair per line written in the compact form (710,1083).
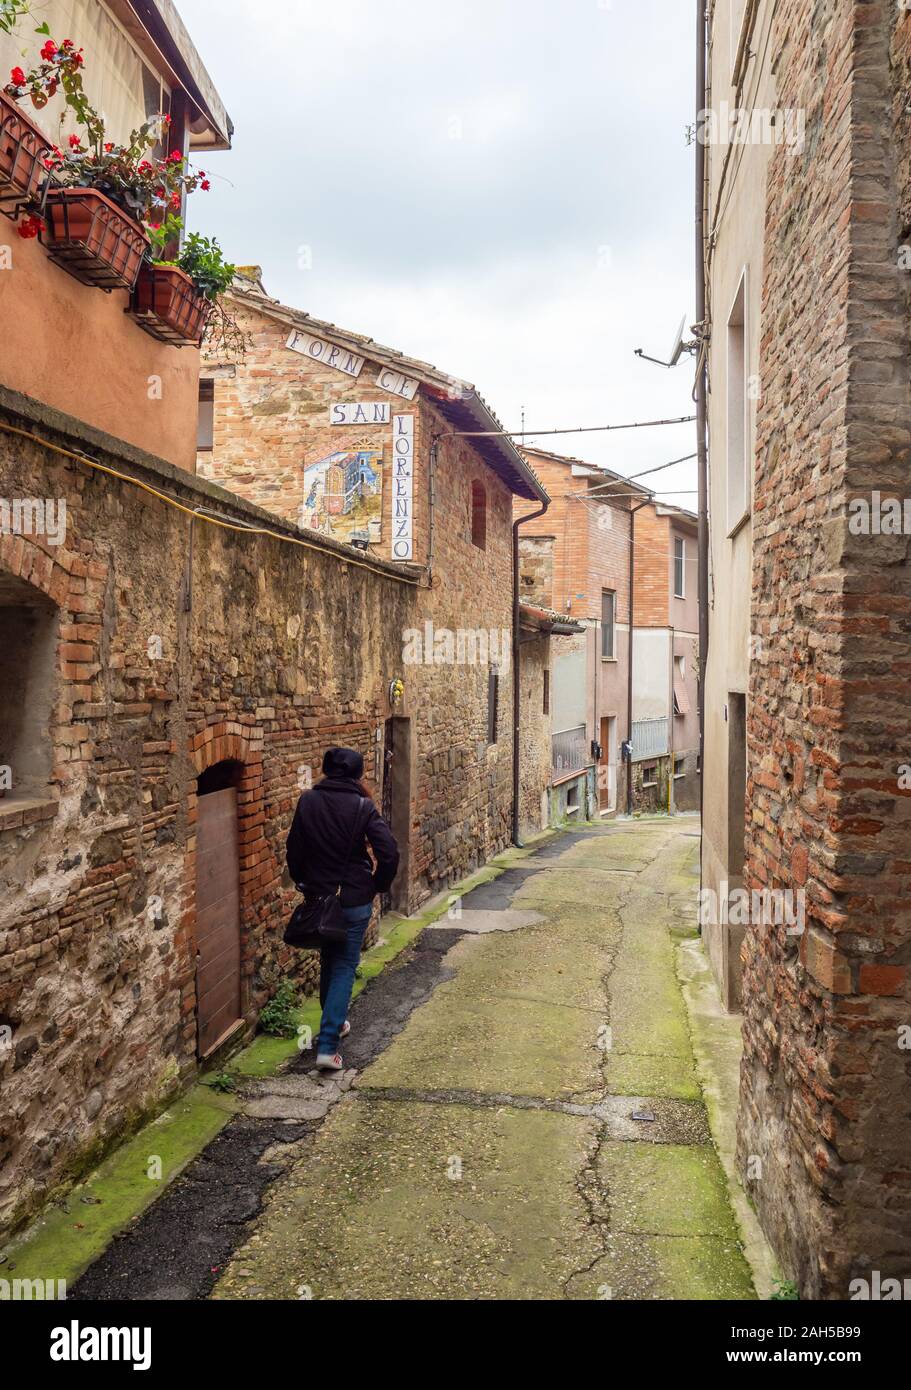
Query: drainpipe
(516,675)
(701,387)
(629,654)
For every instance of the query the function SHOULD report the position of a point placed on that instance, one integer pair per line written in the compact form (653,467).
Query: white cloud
(501,187)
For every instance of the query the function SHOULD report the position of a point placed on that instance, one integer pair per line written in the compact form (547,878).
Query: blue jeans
(336,977)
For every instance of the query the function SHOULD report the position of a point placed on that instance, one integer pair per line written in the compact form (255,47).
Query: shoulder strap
(361,803)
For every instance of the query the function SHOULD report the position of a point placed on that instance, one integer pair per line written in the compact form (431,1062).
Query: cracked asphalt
(522,1117)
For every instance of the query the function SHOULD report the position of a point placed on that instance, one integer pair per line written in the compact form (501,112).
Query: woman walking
(327,848)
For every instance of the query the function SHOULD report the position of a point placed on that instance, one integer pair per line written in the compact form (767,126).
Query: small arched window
(28,637)
(478,516)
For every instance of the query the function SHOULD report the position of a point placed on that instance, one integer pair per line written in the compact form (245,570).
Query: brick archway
(226,741)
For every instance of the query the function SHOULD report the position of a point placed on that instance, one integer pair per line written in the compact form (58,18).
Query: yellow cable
(201,516)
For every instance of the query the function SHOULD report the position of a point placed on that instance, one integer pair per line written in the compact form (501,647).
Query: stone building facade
(179,655)
(666,775)
(178,659)
(808,723)
(575,559)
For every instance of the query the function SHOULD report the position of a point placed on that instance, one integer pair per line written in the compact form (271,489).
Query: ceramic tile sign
(403,487)
(329,354)
(360,413)
(343,495)
(397,384)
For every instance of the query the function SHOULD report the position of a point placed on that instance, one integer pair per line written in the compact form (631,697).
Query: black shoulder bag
(317,922)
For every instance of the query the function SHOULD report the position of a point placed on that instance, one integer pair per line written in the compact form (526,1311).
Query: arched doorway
(218,947)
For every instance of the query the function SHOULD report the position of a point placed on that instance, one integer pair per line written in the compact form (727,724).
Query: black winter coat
(320,836)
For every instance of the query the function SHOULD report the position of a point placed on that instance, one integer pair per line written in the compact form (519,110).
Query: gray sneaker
(328,1061)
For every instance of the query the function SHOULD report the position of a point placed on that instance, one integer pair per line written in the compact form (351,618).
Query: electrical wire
(575,429)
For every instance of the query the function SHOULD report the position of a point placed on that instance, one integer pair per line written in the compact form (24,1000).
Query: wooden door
(217,919)
(607,768)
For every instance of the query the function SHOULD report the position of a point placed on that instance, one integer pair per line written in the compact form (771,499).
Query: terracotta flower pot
(23,150)
(89,236)
(167,304)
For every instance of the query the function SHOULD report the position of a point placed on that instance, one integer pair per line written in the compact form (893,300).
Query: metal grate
(651,739)
(167,305)
(23,150)
(90,238)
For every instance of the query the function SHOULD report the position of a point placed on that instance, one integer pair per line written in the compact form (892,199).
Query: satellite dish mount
(677,351)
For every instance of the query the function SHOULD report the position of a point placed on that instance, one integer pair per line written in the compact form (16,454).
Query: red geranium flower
(18,77)
(176,157)
(30,227)
(49,51)
(109,146)
(75,142)
(205,185)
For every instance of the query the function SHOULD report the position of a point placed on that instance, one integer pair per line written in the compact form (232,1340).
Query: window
(157,102)
(680,767)
(679,567)
(493,704)
(738,470)
(608,623)
(205,438)
(739,11)
(572,799)
(478,516)
(28,636)
(546,692)
(650,775)
(681,698)
(737,780)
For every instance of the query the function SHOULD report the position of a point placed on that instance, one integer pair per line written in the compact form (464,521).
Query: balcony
(651,739)
(569,752)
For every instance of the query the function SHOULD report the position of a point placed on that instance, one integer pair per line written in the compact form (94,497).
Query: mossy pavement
(476,1157)
(500,1146)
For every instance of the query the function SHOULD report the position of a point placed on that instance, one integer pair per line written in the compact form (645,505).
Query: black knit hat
(343,762)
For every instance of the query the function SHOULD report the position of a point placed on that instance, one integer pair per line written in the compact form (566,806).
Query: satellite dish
(677,349)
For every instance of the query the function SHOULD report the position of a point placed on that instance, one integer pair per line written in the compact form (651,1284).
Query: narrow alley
(525,1119)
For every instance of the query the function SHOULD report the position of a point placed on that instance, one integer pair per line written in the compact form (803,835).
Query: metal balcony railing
(569,751)
(651,739)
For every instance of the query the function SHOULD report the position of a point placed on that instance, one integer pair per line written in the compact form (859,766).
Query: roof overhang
(157,28)
(470,415)
(547,622)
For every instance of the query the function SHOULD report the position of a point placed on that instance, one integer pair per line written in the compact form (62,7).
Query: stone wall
(181,645)
(536,570)
(824,1130)
(534,746)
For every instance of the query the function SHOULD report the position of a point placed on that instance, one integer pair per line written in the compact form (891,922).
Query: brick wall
(535,746)
(825,1077)
(651,580)
(258,651)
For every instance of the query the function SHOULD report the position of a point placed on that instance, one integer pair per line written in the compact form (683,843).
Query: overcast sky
(500,187)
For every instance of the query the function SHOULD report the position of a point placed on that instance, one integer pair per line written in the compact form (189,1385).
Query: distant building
(576,560)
